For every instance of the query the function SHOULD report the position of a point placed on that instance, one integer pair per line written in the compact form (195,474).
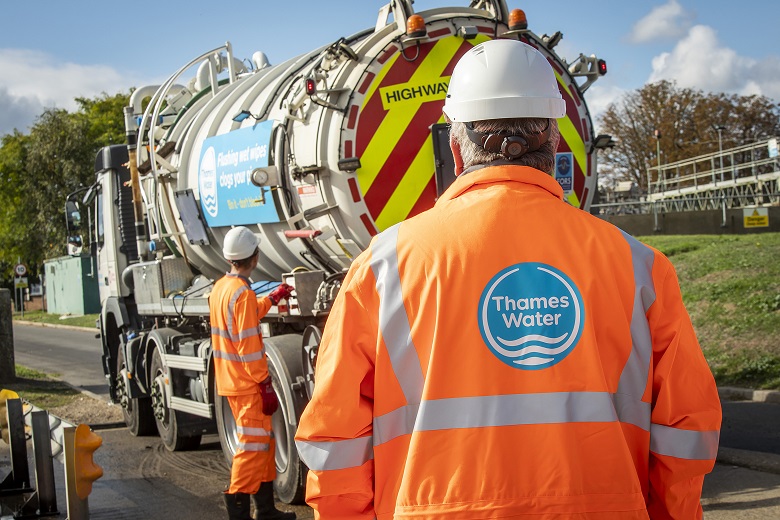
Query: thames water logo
(531,315)
(207,180)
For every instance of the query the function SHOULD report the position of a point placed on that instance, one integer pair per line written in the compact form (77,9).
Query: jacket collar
(491,174)
(242,278)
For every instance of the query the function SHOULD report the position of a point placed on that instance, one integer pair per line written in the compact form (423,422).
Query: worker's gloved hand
(280,293)
(270,401)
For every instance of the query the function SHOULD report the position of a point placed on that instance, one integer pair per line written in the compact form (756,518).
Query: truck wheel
(226,427)
(284,357)
(167,420)
(284,363)
(311,342)
(137,411)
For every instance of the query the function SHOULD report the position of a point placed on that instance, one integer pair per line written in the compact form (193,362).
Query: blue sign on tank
(531,315)
(227,195)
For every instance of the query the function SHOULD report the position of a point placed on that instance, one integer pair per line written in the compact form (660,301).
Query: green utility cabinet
(71,286)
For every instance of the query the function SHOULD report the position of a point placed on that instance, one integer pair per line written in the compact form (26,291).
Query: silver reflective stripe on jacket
(323,456)
(236,357)
(235,338)
(393,320)
(231,310)
(684,444)
(625,405)
(633,381)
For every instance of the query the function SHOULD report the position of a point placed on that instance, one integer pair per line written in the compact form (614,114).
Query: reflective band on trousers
(255,432)
(254,446)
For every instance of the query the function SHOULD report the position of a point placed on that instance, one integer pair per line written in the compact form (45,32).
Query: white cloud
(599,97)
(700,61)
(32,80)
(16,112)
(668,21)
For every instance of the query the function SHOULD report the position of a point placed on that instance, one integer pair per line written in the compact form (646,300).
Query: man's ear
(455,147)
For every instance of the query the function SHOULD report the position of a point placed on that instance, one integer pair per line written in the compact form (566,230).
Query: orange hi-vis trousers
(253,462)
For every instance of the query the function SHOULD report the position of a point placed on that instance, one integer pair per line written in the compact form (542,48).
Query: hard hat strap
(509,145)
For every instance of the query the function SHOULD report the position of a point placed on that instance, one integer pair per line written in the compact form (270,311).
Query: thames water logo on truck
(227,194)
(531,315)
(207,178)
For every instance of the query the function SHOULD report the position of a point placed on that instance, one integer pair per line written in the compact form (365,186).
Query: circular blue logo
(531,315)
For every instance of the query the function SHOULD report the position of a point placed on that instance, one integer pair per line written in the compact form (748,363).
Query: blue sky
(53,51)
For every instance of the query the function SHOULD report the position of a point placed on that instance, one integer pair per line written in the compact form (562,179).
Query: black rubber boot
(265,509)
(237,506)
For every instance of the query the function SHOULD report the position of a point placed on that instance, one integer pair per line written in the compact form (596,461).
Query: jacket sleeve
(686,411)
(250,343)
(334,436)
(264,305)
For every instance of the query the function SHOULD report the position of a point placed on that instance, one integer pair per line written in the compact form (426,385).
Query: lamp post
(719,129)
(657,134)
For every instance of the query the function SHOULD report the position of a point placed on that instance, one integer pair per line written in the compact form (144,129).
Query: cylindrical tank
(347,130)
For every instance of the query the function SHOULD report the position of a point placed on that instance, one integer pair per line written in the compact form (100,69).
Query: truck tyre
(167,420)
(284,364)
(284,356)
(137,411)
(226,428)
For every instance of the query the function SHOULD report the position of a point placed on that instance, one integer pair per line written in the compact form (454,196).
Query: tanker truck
(316,155)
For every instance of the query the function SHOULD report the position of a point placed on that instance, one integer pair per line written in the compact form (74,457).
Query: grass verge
(731,288)
(86,320)
(42,390)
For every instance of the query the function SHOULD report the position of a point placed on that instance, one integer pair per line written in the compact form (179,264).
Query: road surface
(72,354)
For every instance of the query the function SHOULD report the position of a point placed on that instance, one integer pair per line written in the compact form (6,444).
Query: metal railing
(744,176)
(710,171)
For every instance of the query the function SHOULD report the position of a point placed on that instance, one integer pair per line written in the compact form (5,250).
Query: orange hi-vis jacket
(236,341)
(506,355)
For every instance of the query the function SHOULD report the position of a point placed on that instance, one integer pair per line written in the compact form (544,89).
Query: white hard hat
(501,79)
(240,243)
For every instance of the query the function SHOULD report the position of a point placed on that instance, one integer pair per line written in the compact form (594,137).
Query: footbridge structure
(716,184)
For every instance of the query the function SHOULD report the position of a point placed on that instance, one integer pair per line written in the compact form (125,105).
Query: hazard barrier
(52,438)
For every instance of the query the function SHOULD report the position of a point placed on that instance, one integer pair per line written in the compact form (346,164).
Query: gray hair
(542,159)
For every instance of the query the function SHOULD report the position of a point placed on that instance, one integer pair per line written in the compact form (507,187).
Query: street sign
(20,269)
(20,282)
(755,217)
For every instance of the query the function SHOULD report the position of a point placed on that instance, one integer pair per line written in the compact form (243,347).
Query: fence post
(18,480)
(45,492)
(7,367)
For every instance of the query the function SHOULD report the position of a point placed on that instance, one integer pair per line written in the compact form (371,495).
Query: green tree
(686,119)
(39,170)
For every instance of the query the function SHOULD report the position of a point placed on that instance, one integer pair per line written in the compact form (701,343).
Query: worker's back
(513,364)
(520,309)
(234,315)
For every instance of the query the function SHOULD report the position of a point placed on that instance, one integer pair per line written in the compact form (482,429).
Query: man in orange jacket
(241,372)
(504,354)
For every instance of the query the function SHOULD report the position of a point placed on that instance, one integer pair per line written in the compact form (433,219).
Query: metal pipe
(135,183)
